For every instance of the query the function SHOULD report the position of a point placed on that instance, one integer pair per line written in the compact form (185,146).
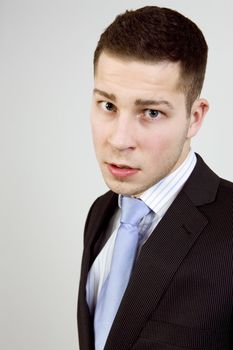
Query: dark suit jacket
(180,292)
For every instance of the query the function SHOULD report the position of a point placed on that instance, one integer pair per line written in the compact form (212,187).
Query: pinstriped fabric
(180,294)
(158,198)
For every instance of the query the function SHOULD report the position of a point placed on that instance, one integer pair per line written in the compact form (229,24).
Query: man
(175,289)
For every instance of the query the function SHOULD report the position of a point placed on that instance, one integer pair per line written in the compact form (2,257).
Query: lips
(121,166)
(121,170)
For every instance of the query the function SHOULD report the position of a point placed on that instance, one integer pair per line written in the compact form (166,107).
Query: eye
(152,113)
(107,106)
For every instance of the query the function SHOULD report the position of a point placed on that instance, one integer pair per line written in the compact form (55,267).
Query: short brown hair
(155,34)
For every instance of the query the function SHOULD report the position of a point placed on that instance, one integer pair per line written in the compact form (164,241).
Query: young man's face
(140,126)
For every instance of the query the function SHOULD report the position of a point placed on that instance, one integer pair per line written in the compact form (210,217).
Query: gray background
(48,172)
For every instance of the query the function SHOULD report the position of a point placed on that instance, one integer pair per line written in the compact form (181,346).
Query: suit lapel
(161,257)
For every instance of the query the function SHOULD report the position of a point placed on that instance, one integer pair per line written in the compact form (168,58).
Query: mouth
(121,170)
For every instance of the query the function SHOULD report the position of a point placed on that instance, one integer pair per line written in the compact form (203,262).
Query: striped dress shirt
(158,198)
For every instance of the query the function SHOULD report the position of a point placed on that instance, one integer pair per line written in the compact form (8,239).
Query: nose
(122,135)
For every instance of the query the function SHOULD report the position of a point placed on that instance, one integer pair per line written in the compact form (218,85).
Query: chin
(126,189)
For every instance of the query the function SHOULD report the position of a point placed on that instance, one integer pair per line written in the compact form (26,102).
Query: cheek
(157,142)
(99,133)
(95,131)
(160,146)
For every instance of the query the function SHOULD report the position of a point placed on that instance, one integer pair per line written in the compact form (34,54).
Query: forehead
(132,75)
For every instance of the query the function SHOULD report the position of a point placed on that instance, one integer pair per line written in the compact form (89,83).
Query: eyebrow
(138,102)
(111,97)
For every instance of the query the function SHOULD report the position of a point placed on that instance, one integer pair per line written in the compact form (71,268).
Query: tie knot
(133,210)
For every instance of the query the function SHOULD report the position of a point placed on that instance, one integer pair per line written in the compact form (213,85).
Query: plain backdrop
(48,172)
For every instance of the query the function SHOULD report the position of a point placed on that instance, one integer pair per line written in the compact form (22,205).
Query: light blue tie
(124,253)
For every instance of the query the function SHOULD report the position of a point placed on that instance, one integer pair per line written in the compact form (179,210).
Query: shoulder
(204,185)
(226,185)
(103,200)
(225,194)
(217,205)
(102,207)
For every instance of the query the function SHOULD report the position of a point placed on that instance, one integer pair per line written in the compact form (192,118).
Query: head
(149,68)
(152,34)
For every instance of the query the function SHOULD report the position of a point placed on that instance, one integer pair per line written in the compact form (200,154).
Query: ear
(199,109)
